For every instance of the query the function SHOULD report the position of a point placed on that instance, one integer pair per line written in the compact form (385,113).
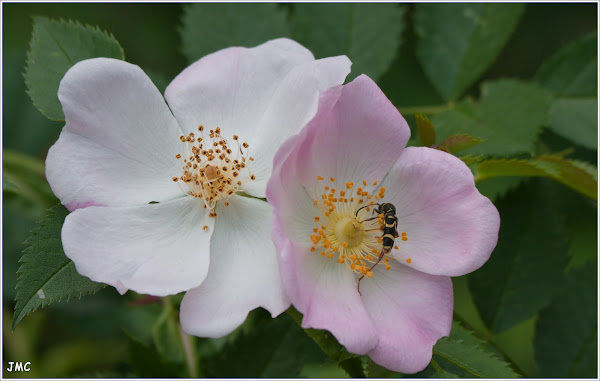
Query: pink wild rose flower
(158,187)
(351,155)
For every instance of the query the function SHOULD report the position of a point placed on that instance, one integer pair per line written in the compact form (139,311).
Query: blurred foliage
(521,77)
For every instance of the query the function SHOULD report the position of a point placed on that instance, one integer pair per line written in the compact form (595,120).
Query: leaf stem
(189,351)
(433,109)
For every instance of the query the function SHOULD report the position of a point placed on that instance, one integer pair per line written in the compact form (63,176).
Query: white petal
(232,87)
(243,272)
(263,94)
(156,249)
(119,143)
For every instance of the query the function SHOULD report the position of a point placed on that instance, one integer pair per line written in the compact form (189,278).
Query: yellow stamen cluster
(341,234)
(212,169)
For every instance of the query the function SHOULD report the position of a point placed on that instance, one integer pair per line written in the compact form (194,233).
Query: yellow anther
(408,260)
(404,238)
(317,218)
(395,247)
(315,230)
(369,274)
(387,267)
(330,255)
(349,185)
(332,179)
(320,178)
(374,182)
(312,249)
(344,244)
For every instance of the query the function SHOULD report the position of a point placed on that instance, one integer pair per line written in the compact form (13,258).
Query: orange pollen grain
(206,172)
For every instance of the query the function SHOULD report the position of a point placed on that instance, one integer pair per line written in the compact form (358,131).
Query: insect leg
(381,254)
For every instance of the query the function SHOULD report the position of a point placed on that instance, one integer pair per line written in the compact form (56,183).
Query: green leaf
(369,34)
(572,71)
(465,354)
(571,75)
(443,374)
(527,266)
(575,119)
(575,174)
(426,130)
(274,348)
(566,335)
(406,73)
(46,274)
(56,46)
(458,143)
(581,217)
(472,359)
(457,42)
(208,27)
(509,117)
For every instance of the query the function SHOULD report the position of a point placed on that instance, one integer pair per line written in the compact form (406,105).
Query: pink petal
(410,310)
(119,143)
(451,228)
(156,249)
(243,272)
(356,118)
(325,292)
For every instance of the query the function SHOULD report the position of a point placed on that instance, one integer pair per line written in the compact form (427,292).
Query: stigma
(212,168)
(347,228)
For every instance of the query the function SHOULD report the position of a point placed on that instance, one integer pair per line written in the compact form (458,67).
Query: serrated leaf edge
(46,301)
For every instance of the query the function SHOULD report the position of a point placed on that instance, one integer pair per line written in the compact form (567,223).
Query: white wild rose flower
(158,191)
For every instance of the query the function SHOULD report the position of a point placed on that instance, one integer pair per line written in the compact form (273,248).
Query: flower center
(353,225)
(212,169)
